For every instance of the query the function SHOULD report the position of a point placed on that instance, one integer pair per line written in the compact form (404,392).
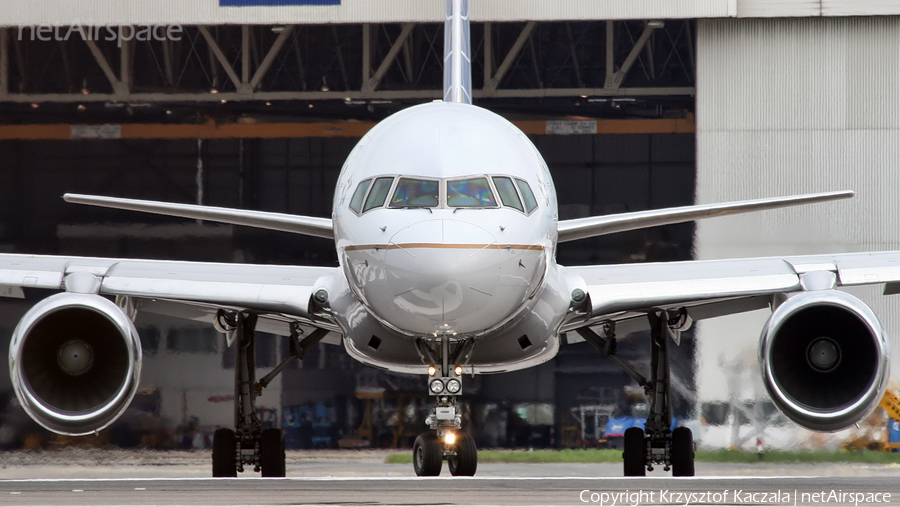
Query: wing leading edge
(720,287)
(580,228)
(310,226)
(278,290)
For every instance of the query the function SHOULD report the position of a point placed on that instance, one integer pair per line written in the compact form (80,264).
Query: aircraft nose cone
(442,274)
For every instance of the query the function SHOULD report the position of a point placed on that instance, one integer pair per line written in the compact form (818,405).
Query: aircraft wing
(712,288)
(193,290)
(580,228)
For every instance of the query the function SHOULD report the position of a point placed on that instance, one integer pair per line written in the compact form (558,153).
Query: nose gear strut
(446,441)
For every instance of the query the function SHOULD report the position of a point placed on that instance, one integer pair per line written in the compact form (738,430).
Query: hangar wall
(790,106)
(218,12)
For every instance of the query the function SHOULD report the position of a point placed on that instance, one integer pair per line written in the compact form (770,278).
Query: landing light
(450,438)
(436,386)
(431,371)
(453,386)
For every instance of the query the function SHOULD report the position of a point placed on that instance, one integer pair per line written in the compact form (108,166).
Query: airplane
(446,227)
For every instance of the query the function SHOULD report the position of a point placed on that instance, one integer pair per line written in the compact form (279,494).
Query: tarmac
(119,477)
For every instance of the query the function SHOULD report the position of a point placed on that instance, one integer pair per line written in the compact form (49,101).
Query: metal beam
(168,64)
(220,56)
(125,66)
(4,61)
(372,83)
(510,57)
(616,80)
(340,95)
(270,57)
(279,130)
(488,54)
(245,54)
(610,51)
(366,53)
(104,65)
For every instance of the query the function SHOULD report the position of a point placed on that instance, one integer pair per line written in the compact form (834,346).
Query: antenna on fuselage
(457,51)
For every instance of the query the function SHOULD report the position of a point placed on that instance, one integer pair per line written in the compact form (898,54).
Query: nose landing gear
(446,441)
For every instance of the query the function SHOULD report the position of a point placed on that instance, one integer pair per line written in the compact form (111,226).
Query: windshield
(356,201)
(470,193)
(415,193)
(379,192)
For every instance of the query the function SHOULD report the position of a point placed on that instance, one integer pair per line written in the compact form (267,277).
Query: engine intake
(824,357)
(75,362)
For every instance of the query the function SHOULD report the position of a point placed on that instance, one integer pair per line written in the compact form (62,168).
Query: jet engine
(75,363)
(824,358)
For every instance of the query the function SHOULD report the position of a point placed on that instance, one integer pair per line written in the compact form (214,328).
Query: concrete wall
(788,107)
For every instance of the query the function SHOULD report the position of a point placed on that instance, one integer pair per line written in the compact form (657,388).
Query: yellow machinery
(872,433)
(890,403)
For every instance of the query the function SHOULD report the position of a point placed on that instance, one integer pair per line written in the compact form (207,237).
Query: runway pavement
(74,477)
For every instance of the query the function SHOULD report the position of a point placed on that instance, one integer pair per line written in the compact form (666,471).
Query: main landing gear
(248,443)
(658,445)
(446,440)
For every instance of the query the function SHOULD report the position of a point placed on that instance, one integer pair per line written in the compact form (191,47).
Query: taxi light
(458,370)
(450,438)
(431,371)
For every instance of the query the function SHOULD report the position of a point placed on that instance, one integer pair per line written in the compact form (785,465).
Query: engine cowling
(825,359)
(75,363)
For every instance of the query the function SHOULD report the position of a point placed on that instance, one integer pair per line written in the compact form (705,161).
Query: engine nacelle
(825,359)
(75,363)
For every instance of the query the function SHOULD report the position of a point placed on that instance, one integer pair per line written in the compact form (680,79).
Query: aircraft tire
(682,452)
(427,455)
(466,460)
(635,453)
(223,455)
(271,453)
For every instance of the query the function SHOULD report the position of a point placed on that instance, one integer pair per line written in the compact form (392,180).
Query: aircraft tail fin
(457,53)
(580,228)
(309,226)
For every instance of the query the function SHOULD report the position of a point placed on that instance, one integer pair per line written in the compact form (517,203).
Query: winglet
(310,226)
(570,230)
(457,53)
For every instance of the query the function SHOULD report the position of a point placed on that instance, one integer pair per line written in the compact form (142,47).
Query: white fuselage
(443,237)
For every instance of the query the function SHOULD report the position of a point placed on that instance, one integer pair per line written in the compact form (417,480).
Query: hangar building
(634,105)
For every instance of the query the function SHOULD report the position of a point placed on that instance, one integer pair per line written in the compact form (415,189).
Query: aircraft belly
(529,338)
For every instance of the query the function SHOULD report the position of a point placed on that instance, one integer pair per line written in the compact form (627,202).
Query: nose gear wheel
(427,455)
(465,461)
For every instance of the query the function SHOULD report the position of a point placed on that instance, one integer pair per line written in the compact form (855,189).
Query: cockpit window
(470,193)
(527,195)
(357,200)
(508,195)
(415,193)
(379,192)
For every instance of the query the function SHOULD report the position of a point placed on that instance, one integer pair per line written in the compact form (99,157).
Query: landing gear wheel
(466,460)
(682,452)
(271,453)
(224,453)
(635,455)
(428,455)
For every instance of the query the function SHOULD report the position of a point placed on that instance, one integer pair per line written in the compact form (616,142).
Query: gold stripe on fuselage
(457,246)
